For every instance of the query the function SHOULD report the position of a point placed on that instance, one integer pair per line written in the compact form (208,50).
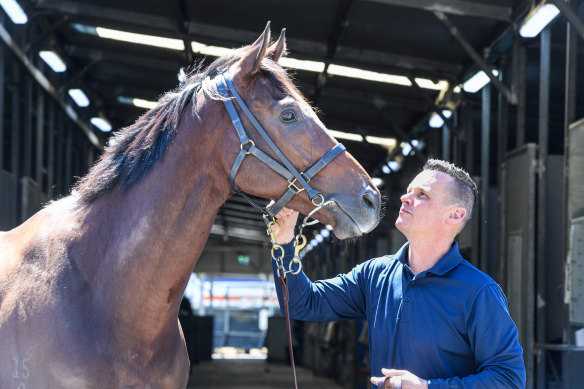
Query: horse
(90,286)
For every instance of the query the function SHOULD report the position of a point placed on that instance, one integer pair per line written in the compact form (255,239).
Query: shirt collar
(448,262)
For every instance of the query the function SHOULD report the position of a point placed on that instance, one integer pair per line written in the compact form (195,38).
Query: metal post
(68,159)
(40,141)
(502,145)
(521,67)
(27,128)
(51,134)
(544,96)
(572,362)
(485,151)
(2,86)
(15,122)
(502,121)
(446,155)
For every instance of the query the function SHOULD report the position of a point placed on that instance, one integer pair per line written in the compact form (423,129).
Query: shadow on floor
(253,374)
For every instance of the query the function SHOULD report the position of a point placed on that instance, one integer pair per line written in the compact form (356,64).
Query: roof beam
(455,7)
(92,12)
(477,59)
(571,15)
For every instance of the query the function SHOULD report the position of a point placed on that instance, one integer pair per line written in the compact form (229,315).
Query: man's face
(424,205)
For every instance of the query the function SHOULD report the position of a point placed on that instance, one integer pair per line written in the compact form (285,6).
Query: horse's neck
(155,233)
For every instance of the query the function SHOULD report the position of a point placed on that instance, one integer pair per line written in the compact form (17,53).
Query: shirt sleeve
(494,338)
(334,299)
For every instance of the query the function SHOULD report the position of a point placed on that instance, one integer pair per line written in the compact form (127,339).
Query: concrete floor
(253,374)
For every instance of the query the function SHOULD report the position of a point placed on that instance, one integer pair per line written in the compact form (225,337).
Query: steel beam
(570,14)
(477,59)
(455,7)
(485,162)
(2,87)
(447,122)
(544,110)
(40,78)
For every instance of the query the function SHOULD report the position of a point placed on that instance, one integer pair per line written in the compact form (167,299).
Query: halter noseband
(227,90)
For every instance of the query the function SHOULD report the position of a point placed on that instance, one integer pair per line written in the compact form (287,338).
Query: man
(434,320)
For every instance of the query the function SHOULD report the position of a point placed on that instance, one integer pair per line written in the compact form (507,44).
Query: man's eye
(288,116)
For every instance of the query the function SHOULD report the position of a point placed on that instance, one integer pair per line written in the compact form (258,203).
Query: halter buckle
(292,183)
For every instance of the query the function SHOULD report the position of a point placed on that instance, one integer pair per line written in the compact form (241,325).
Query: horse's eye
(288,116)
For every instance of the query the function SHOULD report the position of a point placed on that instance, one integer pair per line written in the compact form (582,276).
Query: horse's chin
(344,226)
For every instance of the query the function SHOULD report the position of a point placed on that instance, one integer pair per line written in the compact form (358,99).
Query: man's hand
(286,218)
(398,379)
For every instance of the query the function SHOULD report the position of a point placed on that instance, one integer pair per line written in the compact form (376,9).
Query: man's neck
(424,255)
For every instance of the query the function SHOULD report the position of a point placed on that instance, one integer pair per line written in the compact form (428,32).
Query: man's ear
(250,63)
(456,215)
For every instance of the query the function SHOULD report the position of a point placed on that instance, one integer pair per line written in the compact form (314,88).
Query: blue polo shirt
(449,325)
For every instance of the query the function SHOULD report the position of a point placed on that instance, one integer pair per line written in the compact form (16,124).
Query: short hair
(464,190)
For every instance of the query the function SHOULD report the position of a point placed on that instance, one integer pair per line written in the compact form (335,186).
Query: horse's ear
(277,49)
(259,47)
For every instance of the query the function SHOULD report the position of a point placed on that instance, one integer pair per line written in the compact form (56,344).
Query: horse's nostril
(370,199)
(368,202)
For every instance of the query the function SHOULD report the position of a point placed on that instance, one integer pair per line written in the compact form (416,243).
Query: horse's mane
(133,151)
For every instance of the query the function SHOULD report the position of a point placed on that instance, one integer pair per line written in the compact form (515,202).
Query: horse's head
(352,200)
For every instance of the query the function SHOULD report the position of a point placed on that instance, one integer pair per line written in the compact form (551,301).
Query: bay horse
(90,286)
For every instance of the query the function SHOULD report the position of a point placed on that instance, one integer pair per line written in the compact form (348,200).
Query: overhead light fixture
(79,97)
(141,39)
(378,182)
(478,81)
(436,121)
(345,71)
(101,123)
(385,169)
(301,64)
(417,144)
(394,165)
(406,148)
(14,11)
(387,78)
(289,62)
(429,84)
(214,51)
(538,19)
(384,142)
(53,60)
(140,103)
(346,135)
(147,104)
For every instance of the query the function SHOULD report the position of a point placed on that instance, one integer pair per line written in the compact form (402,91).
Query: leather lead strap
(284,285)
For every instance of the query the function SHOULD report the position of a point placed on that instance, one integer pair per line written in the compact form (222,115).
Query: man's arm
(337,298)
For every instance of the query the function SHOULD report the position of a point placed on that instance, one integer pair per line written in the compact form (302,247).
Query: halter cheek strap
(297,181)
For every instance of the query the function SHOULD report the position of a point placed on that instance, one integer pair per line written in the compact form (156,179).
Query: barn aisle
(253,374)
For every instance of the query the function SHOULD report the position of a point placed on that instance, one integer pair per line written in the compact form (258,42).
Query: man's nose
(405,199)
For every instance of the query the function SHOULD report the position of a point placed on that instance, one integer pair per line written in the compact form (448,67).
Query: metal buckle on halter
(291,183)
(245,144)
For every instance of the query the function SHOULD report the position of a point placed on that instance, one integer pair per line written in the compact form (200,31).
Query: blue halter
(297,181)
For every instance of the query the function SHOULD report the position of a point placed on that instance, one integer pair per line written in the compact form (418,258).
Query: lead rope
(299,244)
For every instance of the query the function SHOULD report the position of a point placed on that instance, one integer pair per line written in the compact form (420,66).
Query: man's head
(441,199)
(463,191)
